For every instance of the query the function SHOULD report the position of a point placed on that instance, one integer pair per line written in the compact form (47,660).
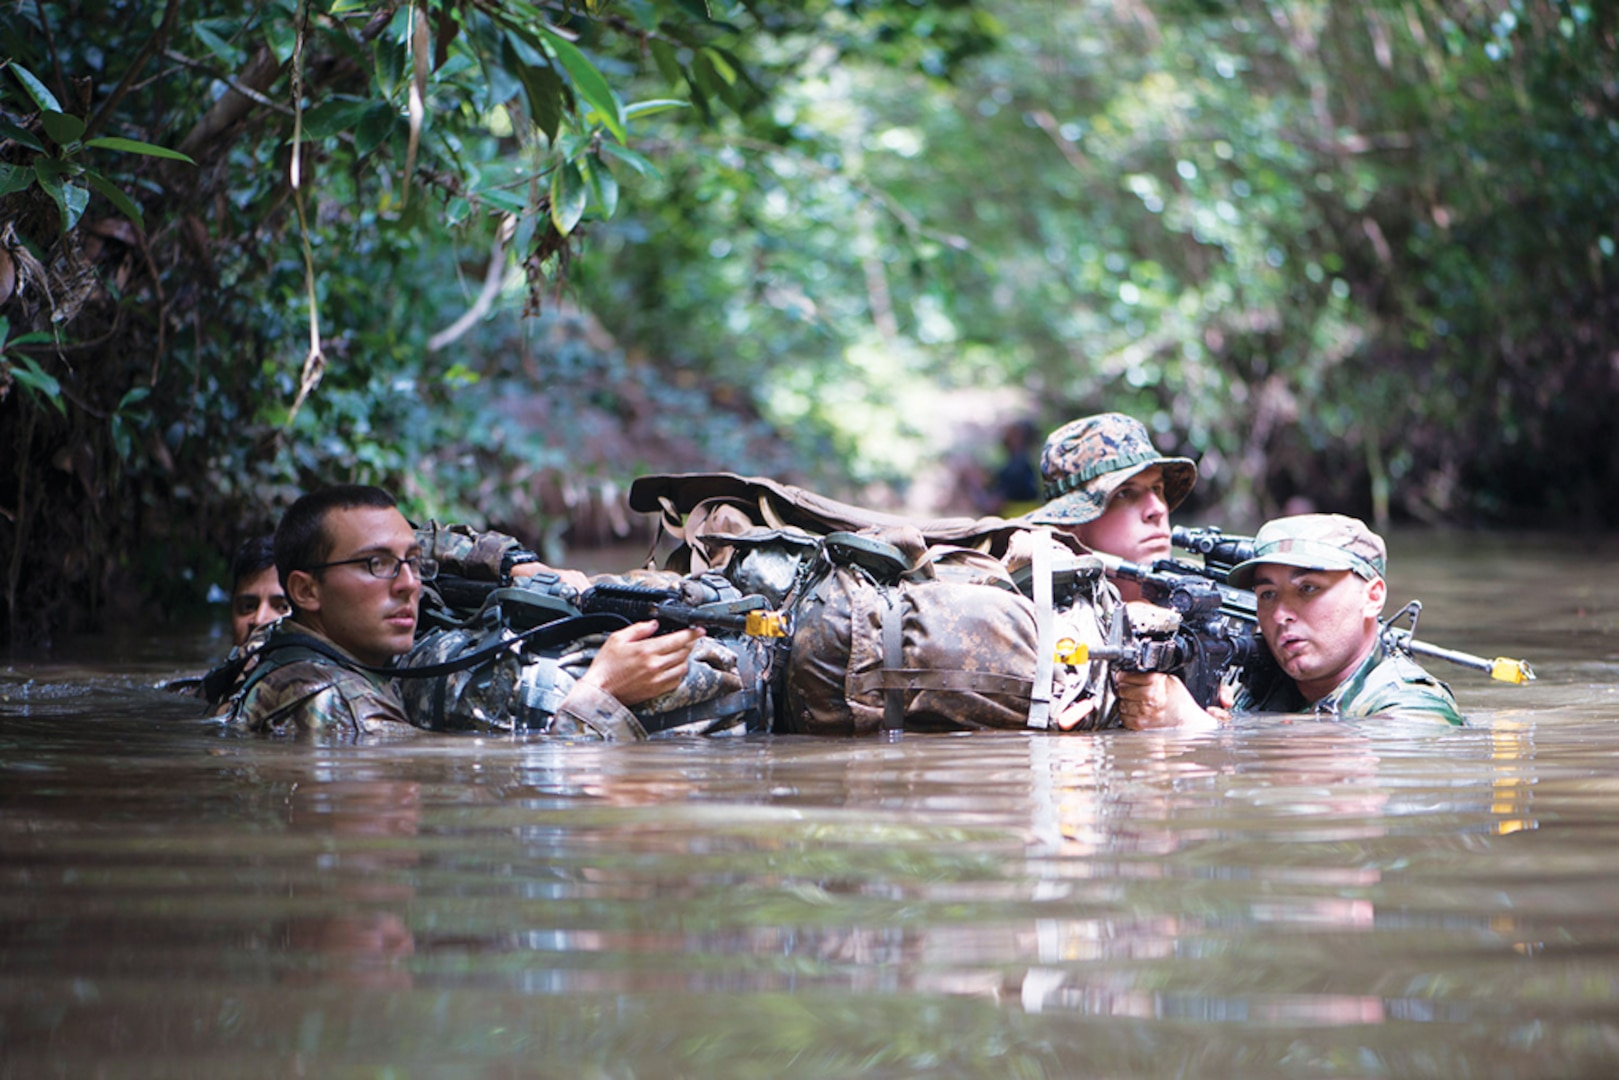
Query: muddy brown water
(1283,898)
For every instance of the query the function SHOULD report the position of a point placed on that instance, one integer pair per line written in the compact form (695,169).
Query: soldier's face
(371,618)
(1319,624)
(1135,525)
(257,601)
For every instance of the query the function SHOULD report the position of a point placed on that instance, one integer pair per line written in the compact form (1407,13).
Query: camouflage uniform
(1086,460)
(310,694)
(307,693)
(1388,682)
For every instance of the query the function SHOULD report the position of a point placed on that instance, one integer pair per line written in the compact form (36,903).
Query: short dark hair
(301,540)
(253,556)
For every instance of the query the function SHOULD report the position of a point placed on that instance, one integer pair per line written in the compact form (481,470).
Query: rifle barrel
(1502,668)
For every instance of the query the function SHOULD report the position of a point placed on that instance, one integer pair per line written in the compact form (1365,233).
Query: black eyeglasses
(385,566)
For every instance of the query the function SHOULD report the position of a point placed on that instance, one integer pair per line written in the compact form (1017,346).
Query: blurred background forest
(504,256)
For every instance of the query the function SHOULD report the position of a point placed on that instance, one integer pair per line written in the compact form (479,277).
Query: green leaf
(606,185)
(282,35)
(29,374)
(653,107)
(112,194)
(134,396)
(21,137)
(344,7)
(589,82)
(61,127)
(75,197)
(333,117)
(698,8)
(568,198)
(14,178)
(121,440)
(663,54)
(36,89)
(708,77)
(502,199)
(374,127)
(629,157)
(222,49)
(135,146)
(545,93)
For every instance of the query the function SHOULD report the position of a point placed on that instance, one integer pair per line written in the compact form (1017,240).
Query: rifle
(1210,629)
(1218,628)
(675,609)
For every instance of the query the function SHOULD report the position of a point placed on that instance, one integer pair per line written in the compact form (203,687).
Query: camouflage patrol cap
(1086,460)
(1315,542)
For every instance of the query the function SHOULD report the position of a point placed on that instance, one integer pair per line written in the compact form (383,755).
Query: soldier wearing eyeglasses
(353,568)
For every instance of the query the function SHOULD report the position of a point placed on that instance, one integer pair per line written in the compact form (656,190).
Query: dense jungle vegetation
(502,256)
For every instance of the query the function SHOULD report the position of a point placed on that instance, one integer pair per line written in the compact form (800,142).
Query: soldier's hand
(634,665)
(569,577)
(1150,700)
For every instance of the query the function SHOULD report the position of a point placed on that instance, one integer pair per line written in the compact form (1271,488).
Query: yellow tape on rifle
(1506,669)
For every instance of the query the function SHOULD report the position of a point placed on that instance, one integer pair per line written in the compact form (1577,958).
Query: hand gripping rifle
(1208,629)
(1218,629)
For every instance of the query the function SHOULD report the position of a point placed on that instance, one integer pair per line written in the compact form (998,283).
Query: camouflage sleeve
(320,701)
(590,710)
(1424,698)
(464,552)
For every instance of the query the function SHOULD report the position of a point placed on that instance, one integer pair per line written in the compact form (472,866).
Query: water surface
(1284,898)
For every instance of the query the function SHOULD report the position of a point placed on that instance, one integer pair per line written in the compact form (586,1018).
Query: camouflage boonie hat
(1086,460)
(1315,542)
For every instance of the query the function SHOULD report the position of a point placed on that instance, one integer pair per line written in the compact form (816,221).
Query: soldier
(256,598)
(1318,581)
(353,568)
(1107,485)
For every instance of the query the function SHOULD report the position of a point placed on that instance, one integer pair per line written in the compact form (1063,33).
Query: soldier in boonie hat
(1086,460)
(1315,542)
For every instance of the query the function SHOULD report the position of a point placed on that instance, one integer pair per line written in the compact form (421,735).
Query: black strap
(714,709)
(544,636)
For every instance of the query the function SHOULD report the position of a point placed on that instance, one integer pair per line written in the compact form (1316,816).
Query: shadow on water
(1287,897)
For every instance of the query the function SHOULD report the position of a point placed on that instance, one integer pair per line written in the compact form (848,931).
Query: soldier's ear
(1377,594)
(303,590)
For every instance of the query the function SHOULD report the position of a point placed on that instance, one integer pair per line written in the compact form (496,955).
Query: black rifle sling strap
(1045,635)
(740,701)
(544,636)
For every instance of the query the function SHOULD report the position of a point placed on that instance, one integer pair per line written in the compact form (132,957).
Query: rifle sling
(544,636)
(729,705)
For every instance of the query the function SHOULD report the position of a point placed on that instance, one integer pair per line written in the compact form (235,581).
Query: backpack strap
(893,657)
(1045,634)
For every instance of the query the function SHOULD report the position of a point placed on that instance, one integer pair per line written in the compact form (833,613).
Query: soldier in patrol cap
(1318,582)
(1107,485)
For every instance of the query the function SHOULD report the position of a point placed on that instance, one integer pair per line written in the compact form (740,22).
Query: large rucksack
(894,635)
(952,623)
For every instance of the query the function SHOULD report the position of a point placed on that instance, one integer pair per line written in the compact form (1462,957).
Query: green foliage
(1361,252)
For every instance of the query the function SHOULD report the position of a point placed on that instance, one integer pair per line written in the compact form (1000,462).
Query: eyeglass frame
(424,567)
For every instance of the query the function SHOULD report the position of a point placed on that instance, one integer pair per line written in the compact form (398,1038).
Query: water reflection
(1287,897)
